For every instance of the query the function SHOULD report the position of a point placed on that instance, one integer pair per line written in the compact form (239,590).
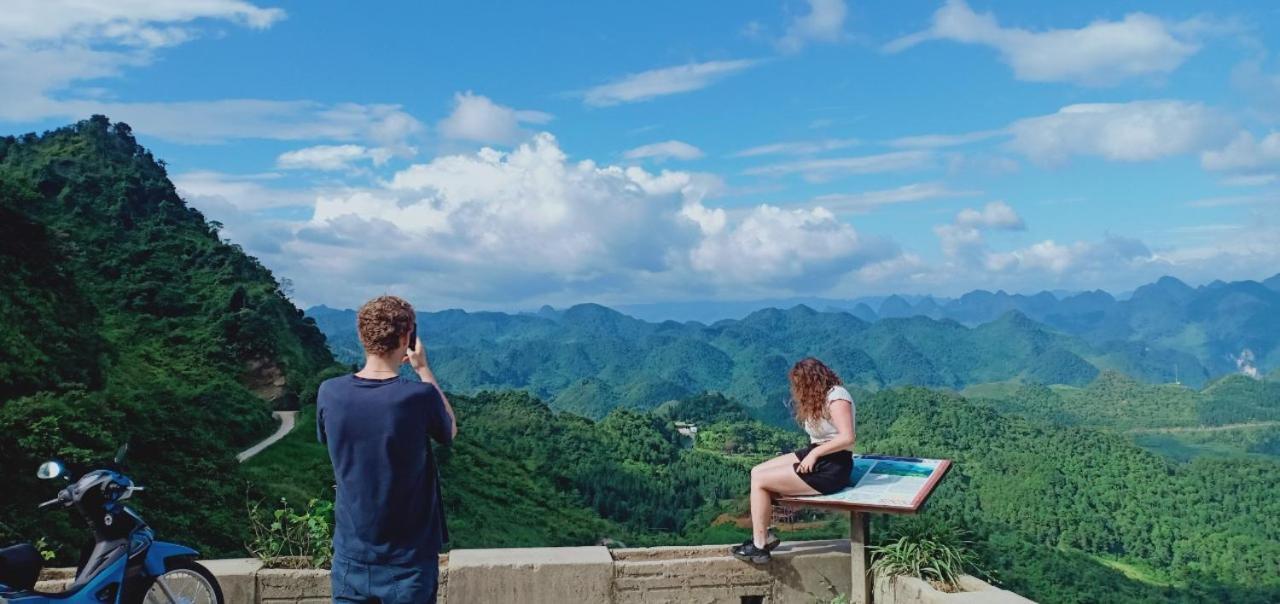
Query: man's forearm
(427,376)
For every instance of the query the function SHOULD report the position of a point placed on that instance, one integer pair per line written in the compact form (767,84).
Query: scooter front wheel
(186,582)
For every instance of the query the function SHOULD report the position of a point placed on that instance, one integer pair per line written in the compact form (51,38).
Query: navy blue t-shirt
(388,508)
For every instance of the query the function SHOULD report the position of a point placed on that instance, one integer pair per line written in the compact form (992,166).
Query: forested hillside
(589,359)
(1115,400)
(125,318)
(1055,510)
(1232,417)
(524,476)
(1210,527)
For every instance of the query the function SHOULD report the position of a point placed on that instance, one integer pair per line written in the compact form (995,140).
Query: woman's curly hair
(810,381)
(382,321)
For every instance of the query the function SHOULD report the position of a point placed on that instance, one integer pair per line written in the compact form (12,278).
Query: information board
(882,483)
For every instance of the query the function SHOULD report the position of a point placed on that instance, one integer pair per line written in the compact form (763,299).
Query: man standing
(389,516)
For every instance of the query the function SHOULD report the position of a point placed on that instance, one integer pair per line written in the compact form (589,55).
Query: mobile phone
(413,335)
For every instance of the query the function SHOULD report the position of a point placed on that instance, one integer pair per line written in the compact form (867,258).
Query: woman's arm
(842,418)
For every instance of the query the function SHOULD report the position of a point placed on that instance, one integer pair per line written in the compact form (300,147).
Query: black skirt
(830,473)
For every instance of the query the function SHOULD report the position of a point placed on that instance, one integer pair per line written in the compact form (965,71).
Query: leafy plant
(936,554)
(285,537)
(46,552)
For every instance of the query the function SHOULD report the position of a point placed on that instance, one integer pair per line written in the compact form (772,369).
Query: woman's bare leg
(786,459)
(766,482)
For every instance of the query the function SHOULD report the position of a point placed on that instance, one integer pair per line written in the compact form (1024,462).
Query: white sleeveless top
(823,430)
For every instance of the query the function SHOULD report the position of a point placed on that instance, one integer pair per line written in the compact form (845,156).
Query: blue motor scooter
(126,566)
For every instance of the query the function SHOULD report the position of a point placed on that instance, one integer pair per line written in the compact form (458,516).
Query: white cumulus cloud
(1134,131)
(1244,153)
(1100,53)
(477,118)
(963,239)
(531,224)
(785,247)
(247,192)
(824,22)
(330,157)
(1082,257)
(671,149)
(665,81)
(994,215)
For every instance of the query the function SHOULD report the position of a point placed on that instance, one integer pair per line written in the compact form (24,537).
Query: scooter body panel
(161,551)
(113,574)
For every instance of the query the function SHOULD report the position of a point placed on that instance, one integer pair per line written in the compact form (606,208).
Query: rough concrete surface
(550,575)
(291,586)
(238,578)
(910,590)
(801,572)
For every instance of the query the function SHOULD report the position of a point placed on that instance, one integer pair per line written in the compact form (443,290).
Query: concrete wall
(802,572)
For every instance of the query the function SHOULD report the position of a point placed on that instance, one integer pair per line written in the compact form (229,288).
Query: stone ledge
(802,572)
(910,590)
(536,574)
(238,578)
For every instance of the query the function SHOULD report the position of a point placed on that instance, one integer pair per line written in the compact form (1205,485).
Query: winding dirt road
(287,420)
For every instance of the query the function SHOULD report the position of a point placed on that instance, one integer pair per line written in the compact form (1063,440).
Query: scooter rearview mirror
(49,470)
(121,451)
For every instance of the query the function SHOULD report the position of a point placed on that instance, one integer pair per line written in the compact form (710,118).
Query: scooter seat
(20,566)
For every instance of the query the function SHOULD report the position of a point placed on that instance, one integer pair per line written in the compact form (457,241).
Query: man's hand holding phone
(416,357)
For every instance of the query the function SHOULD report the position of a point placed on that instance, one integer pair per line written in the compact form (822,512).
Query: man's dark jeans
(356,582)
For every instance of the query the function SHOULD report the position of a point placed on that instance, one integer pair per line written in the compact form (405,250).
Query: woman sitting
(825,409)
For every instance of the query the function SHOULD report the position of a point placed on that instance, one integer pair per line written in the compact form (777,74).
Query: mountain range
(589,359)
(1227,326)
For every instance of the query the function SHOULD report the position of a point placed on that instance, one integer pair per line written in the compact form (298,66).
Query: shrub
(285,538)
(937,554)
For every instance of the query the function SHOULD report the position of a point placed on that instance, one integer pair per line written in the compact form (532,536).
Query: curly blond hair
(382,321)
(810,381)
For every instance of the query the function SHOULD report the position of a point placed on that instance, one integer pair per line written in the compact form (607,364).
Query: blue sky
(505,155)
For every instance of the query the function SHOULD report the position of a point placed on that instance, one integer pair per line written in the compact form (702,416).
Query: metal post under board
(859,539)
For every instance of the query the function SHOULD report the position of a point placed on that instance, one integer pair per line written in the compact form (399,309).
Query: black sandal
(748,552)
(771,541)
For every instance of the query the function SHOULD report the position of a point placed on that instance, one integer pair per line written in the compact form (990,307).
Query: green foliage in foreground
(930,552)
(123,316)
(286,537)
